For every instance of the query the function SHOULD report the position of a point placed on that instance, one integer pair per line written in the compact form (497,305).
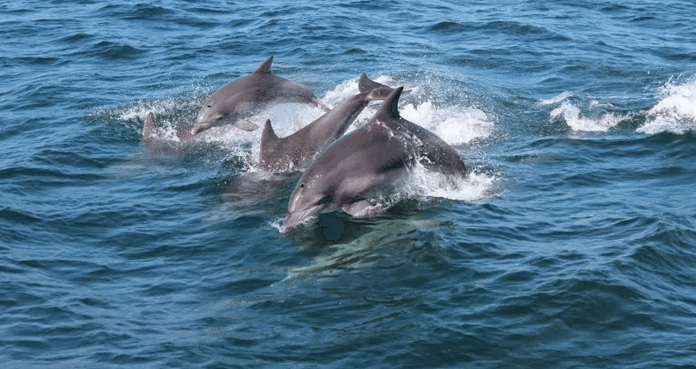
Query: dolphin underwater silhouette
(243,98)
(366,163)
(287,153)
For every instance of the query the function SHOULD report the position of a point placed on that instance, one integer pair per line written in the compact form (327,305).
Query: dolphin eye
(302,185)
(210,106)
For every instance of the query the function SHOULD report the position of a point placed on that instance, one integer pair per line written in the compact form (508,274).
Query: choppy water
(572,245)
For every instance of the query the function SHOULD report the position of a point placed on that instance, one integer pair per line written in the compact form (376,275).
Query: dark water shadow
(345,242)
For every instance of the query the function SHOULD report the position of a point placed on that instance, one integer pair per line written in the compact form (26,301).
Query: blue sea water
(571,245)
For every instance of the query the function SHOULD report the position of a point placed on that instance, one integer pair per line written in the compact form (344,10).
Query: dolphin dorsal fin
(390,106)
(265,66)
(268,136)
(150,127)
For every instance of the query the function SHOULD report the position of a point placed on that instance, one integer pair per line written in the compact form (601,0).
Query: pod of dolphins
(347,172)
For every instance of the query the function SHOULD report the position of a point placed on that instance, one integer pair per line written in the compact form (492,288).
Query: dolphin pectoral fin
(362,209)
(149,128)
(245,125)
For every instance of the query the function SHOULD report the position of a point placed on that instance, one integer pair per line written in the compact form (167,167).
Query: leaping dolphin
(241,99)
(283,154)
(363,164)
(249,95)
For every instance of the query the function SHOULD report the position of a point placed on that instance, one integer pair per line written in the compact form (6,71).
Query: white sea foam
(424,183)
(577,122)
(595,121)
(457,125)
(676,110)
(557,99)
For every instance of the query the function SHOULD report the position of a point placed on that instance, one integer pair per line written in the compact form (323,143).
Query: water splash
(577,122)
(426,184)
(595,119)
(676,110)
(457,125)
(557,99)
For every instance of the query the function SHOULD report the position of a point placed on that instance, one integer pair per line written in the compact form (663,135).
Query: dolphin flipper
(245,125)
(362,209)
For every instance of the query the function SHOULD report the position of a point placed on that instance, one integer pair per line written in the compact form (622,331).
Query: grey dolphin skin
(249,95)
(367,162)
(287,153)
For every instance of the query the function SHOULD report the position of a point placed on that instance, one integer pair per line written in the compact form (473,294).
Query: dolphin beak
(298,218)
(200,127)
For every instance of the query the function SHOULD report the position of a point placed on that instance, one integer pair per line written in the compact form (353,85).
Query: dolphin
(283,154)
(249,95)
(366,164)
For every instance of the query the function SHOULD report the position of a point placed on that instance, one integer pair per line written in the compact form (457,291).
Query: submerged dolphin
(248,96)
(365,163)
(282,154)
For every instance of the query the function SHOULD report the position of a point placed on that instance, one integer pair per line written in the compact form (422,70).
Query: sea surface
(572,243)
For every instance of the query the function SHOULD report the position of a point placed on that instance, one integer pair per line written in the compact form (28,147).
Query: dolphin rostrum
(249,95)
(366,163)
(287,153)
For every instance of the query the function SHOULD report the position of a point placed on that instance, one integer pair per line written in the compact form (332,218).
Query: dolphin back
(433,152)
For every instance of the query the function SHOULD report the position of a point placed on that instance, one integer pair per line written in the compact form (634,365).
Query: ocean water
(572,244)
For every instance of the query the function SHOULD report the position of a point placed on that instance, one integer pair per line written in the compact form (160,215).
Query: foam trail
(675,112)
